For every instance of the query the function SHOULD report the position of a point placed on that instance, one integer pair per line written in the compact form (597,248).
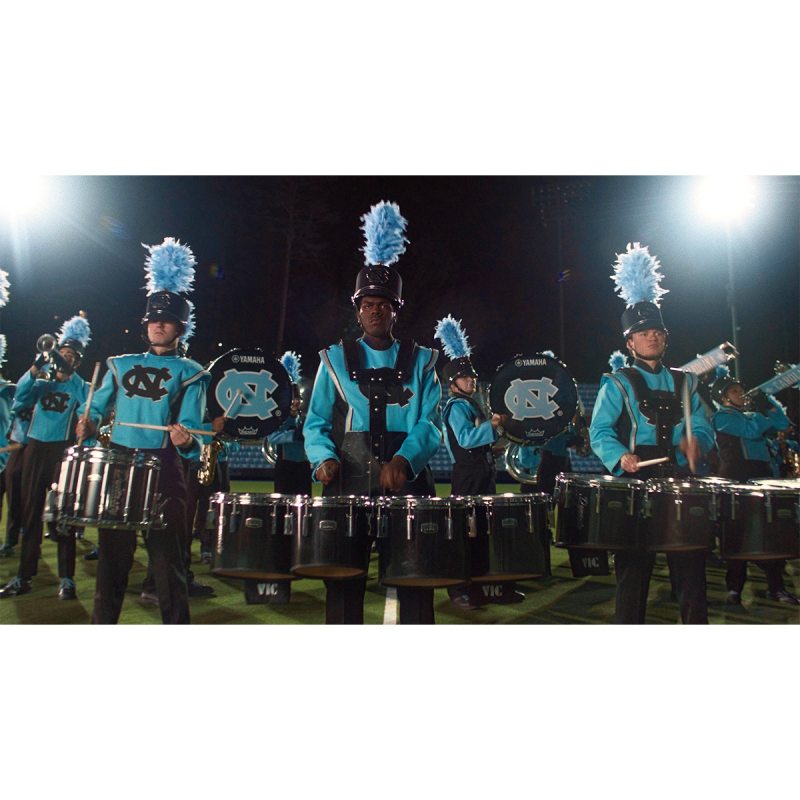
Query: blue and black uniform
(159,390)
(51,429)
(292,470)
(366,407)
(744,455)
(638,410)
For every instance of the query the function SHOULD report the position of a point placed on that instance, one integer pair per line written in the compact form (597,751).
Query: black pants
(344,599)
(12,481)
(344,603)
(687,570)
(39,468)
(736,574)
(292,477)
(165,550)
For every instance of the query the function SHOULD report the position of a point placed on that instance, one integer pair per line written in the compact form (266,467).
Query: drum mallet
(687,418)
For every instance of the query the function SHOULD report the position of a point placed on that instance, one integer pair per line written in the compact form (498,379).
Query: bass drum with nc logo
(252,389)
(538,396)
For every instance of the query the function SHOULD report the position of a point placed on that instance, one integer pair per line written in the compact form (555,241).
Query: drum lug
(597,498)
(768,505)
(472,526)
(797,512)
(733,505)
(410,525)
(350,533)
(713,515)
(679,505)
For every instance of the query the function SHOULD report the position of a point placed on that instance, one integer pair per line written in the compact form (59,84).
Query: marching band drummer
(373,420)
(157,387)
(637,417)
(744,455)
(469,436)
(55,402)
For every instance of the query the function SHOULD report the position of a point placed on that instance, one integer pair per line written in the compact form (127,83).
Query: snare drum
(103,488)
(332,536)
(253,536)
(760,522)
(680,515)
(598,512)
(425,541)
(508,545)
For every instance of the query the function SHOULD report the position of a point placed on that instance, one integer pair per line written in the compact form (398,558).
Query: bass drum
(760,522)
(253,536)
(253,388)
(538,396)
(598,512)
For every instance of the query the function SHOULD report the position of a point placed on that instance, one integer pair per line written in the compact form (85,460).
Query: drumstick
(235,398)
(11,447)
(687,419)
(89,398)
(653,461)
(150,427)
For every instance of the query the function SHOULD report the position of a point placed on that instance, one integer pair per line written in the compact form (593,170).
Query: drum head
(537,394)
(264,392)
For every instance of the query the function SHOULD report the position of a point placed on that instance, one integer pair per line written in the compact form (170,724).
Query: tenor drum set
(756,521)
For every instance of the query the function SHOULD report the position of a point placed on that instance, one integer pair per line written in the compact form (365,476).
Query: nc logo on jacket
(254,390)
(141,381)
(531,399)
(55,401)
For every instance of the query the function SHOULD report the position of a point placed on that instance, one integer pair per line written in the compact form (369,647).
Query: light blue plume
(617,360)
(384,234)
(3,348)
(188,328)
(291,363)
(169,267)
(76,328)
(548,353)
(721,371)
(4,287)
(637,277)
(453,337)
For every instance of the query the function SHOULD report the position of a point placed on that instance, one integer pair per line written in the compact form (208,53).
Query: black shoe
(200,590)
(205,557)
(148,598)
(507,598)
(15,587)
(464,601)
(782,596)
(733,598)
(66,590)
(92,555)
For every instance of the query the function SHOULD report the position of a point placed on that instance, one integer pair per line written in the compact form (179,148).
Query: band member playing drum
(55,402)
(637,417)
(157,387)
(373,420)
(469,436)
(743,454)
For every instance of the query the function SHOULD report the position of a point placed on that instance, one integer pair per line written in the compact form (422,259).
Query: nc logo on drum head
(255,393)
(528,399)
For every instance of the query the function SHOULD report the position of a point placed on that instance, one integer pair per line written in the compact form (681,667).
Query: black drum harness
(661,408)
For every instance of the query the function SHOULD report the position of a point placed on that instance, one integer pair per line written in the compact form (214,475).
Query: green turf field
(557,599)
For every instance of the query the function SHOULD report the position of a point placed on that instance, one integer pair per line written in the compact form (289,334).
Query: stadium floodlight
(726,198)
(21,194)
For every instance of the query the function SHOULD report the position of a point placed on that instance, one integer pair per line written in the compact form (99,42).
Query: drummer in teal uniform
(162,388)
(469,435)
(373,421)
(55,400)
(637,417)
(742,440)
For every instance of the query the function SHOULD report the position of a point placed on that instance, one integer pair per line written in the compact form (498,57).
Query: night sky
(485,249)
